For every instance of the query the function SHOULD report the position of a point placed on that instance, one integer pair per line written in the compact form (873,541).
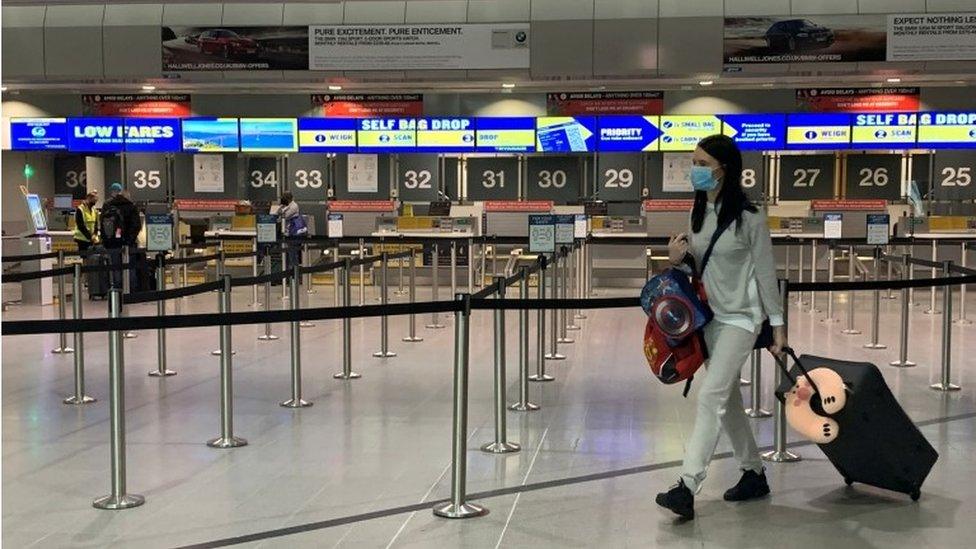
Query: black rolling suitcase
(876,443)
(98,281)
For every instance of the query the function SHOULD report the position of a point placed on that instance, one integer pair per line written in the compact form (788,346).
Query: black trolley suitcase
(877,444)
(98,281)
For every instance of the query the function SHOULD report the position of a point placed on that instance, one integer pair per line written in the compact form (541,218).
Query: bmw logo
(810,134)
(38,131)
(520,36)
(881,134)
(320,138)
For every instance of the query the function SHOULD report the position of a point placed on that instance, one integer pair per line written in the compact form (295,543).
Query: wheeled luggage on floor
(874,442)
(98,281)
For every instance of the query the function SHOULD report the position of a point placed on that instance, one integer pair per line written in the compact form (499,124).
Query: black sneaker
(679,500)
(752,485)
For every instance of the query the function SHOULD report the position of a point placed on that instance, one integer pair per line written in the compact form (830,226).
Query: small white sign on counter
(878,229)
(335,225)
(542,234)
(833,225)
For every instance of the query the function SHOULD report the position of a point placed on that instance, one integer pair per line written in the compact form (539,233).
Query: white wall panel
(561,10)
(437,11)
(74,16)
(312,14)
(690,45)
(892,6)
(22,41)
(23,16)
(383,11)
(130,38)
(73,41)
(134,15)
(625,9)
(690,8)
(625,47)
(192,15)
(937,6)
(824,7)
(497,11)
(561,49)
(735,8)
(252,14)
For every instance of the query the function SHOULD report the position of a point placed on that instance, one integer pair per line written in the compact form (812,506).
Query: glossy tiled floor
(359,468)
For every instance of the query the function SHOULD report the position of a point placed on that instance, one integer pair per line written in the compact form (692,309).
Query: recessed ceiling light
(333,87)
(705,82)
(893,80)
(508,85)
(148,88)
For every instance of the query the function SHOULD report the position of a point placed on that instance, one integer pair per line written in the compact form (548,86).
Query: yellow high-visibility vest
(90,216)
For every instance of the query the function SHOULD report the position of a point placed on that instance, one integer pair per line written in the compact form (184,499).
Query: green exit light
(28,171)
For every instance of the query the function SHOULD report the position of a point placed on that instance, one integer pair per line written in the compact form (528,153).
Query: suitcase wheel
(915,495)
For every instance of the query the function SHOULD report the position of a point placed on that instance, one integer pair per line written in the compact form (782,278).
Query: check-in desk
(942,230)
(38,291)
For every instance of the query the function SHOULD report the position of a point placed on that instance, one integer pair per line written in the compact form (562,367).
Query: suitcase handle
(786,371)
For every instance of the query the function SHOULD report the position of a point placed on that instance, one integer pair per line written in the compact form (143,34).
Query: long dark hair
(731,200)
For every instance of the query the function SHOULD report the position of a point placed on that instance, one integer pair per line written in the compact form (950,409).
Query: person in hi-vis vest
(86,222)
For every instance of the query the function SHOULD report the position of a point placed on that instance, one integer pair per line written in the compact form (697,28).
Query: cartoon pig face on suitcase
(799,410)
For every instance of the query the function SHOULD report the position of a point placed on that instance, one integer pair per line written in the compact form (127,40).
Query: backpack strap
(684,394)
(719,230)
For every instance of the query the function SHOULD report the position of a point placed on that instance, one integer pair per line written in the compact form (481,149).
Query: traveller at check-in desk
(119,226)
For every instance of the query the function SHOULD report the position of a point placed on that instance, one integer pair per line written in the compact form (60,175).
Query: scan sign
(818,131)
(504,134)
(39,134)
(445,134)
(152,135)
(629,133)
(325,135)
(949,130)
(883,130)
(96,134)
(755,132)
(683,132)
(566,133)
(386,134)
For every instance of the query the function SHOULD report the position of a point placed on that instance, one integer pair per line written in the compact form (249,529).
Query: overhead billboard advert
(386,134)
(137,105)
(325,135)
(369,105)
(234,48)
(211,135)
(152,135)
(755,132)
(947,129)
(39,134)
(818,131)
(96,134)
(577,103)
(629,133)
(683,132)
(269,134)
(857,99)
(419,46)
(445,134)
(566,133)
(505,134)
(883,130)
(811,39)
(932,37)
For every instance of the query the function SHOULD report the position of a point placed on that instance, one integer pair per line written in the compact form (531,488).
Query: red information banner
(858,99)
(849,205)
(370,105)
(361,206)
(669,205)
(141,105)
(544,206)
(577,103)
(205,205)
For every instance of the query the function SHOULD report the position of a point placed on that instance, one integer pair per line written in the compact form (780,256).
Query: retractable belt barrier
(31,257)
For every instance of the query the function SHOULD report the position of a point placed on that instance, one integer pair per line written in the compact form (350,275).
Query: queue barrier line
(879,285)
(163,295)
(32,257)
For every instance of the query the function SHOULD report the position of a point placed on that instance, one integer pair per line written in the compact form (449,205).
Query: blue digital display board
(39,134)
(445,134)
(629,133)
(96,134)
(211,135)
(269,134)
(818,131)
(504,134)
(755,132)
(152,135)
(947,130)
(387,134)
(325,135)
(884,130)
(566,133)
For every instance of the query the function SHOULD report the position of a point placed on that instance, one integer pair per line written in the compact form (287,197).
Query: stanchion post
(435,261)
(400,290)
(470,266)
(962,320)
(307,255)
(500,444)
(457,507)
(295,338)
(267,335)
(850,330)
(347,372)
(540,321)
(581,278)
(553,353)
(945,384)
(831,253)
(284,266)
(453,267)
(888,294)
(756,410)
(779,453)
(876,305)
(563,314)
(799,275)
(226,438)
(335,278)
(118,499)
(412,321)
(161,369)
(903,361)
(79,341)
(933,309)
(62,310)
(384,351)
(362,273)
(126,273)
(813,276)
(254,272)
(571,286)
(523,405)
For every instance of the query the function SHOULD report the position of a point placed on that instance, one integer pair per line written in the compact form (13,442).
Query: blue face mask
(702,179)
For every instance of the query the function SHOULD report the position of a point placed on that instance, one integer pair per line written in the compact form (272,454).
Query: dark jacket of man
(131,223)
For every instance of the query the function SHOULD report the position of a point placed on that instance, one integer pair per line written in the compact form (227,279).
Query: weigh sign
(147,176)
(618,176)
(873,176)
(493,178)
(555,178)
(806,177)
(418,177)
(953,175)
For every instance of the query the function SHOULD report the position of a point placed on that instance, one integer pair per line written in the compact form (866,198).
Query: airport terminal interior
(398,273)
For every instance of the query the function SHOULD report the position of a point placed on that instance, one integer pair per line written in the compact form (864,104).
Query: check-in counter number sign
(551,179)
(420,179)
(805,177)
(618,179)
(876,177)
(748,179)
(956,176)
(146,179)
(260,179)
(308,179)
(491,178)
(74,178)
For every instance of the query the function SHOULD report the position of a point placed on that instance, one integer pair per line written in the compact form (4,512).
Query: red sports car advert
(234,48)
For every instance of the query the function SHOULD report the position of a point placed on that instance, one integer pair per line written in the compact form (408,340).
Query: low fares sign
(152,135)
(137,105)
(96,134)
(629,133)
